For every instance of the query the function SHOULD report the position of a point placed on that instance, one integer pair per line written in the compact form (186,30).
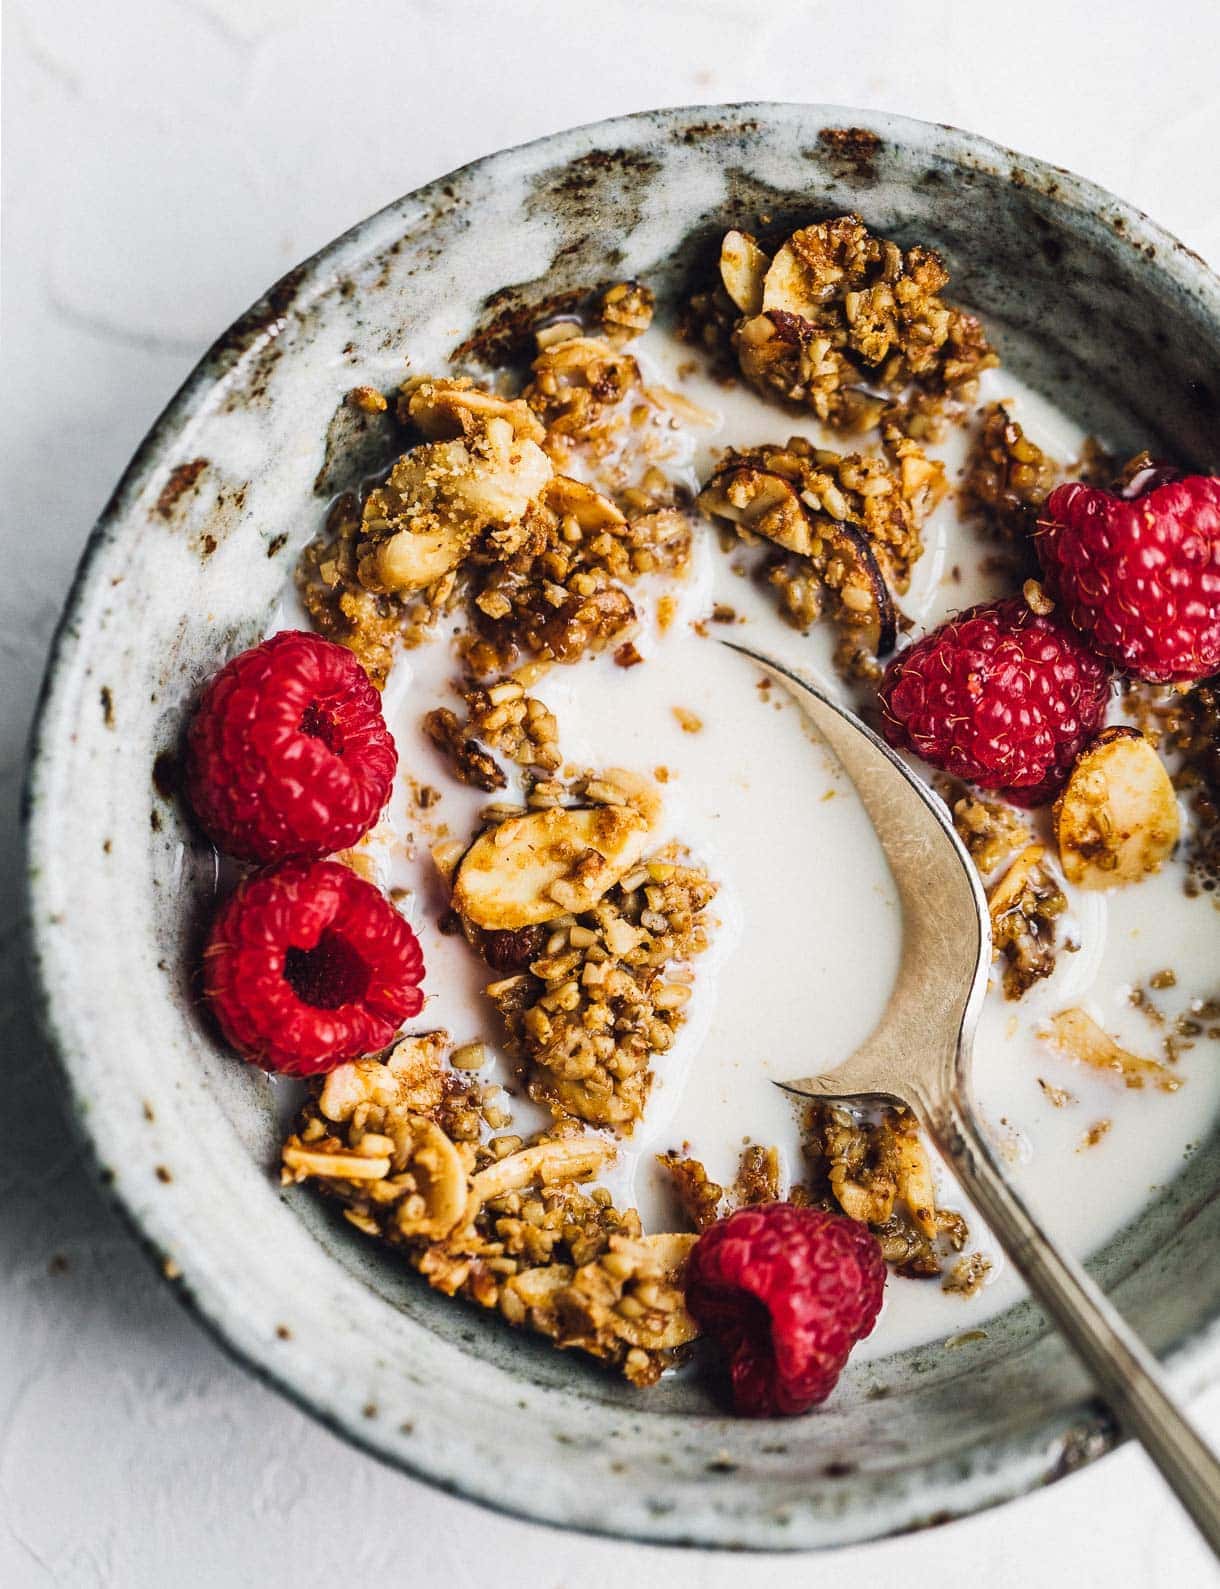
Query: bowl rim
(1038,1456)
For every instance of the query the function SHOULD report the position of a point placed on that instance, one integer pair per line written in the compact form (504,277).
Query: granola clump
(1008,478)
(703,1201)
(476,514)
(557,589)
(879,1172)
(609,992)
(498,717)
(847,528)
(843,322)
(504,1224)
(1186,728)
(1024,896)
(370,623)
(625,311)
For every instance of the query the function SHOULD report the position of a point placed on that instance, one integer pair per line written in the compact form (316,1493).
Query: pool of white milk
(807,930)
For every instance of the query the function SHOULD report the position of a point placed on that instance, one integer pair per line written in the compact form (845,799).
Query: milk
(806,927)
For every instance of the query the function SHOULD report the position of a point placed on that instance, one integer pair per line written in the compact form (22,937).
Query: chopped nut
(1025,906)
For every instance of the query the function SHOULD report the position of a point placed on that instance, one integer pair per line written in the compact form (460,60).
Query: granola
(609,991)
(512,1230)
(843,322)
(1024,897)
(879,1172)
(528,513)
(847,528)
(1007,479)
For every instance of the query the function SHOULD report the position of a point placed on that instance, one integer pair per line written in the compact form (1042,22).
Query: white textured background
(164,161)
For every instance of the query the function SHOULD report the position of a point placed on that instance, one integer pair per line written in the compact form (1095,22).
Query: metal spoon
(920,1056)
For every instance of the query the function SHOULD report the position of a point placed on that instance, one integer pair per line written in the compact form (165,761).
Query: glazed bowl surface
(1085,297)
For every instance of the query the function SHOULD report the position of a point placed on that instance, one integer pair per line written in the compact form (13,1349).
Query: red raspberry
(307,965)
(999,696)
(785,1292)
(288,755)
(1140,576)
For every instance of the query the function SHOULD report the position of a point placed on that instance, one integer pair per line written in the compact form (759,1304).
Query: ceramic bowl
(1085,296)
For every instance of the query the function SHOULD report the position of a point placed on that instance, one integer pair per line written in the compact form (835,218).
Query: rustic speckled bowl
(1085,295)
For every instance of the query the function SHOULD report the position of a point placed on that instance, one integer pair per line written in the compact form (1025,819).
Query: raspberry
(288,756)
(999,696)
(1140,575)
(785,1292)
(307,965)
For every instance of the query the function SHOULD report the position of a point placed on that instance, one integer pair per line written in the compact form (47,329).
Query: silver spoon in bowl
(919,1056)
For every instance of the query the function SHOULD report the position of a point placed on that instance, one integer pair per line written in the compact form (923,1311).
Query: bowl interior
(187,566)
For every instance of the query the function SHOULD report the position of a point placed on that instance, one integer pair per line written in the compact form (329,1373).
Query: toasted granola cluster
(499,717)
(1024,895)
(704,1201)
(556,589)
(501,1223)
(879,1172)
(1007,478)
(843,322)
(847,527)
(476,511)
(609,991)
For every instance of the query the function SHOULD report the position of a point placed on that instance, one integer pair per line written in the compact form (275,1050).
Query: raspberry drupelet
(1138,572)
(785,1293)
(307,966)
(999,696)
(288,756)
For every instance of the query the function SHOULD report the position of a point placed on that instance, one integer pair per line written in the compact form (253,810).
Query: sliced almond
(764,503)
(913,1172)
(1117,818)
(300,1161)
(545,1164)
(1078,1035)
(787,285)
(574,499)
(531,869)
(743,266)
(444,410)
(436,1166)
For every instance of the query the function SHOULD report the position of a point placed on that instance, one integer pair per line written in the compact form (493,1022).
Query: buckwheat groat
(499,1222)
(842,322)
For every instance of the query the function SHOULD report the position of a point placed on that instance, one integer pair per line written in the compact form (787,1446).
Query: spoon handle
(1126,1373)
